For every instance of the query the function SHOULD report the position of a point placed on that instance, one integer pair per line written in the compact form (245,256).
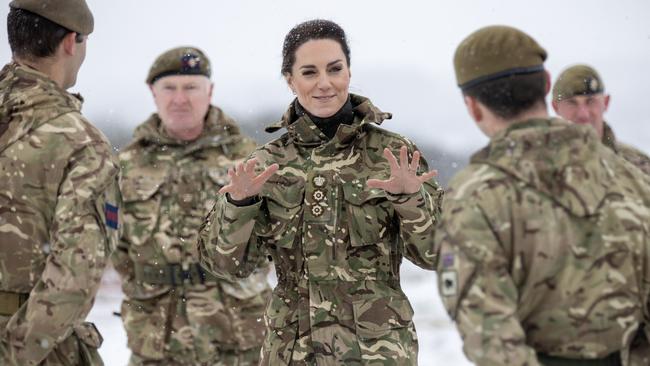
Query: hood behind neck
(555,157)
(29,99)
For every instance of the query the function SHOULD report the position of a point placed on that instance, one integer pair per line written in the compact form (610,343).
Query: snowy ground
(439,341)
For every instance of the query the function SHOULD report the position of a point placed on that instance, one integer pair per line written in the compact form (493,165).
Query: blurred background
(401,59)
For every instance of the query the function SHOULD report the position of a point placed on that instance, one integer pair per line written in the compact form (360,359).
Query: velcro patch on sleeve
(449,283)
(110,212)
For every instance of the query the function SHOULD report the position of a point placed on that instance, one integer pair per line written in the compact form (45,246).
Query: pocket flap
(376,316)
(88,334)
(359,194)
(140,185)
(248,287)
(287,192)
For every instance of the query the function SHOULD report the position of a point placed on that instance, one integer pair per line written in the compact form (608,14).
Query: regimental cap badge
(319,181)
(191,63)
(593,85)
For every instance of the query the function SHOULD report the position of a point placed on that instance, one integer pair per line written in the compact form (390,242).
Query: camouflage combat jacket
(545,247)
(627,152)
(337,245)
(58,220)
(168,188)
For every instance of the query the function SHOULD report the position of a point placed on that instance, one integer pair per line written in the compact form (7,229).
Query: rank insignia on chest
(317,210)
(110,212)
(319,181)
(318,195)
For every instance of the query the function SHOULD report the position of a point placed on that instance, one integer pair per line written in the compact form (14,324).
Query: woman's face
(320,77)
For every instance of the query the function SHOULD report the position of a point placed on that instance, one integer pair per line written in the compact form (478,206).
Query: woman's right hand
(243,181)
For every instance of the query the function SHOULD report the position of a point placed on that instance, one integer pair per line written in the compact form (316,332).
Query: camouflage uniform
(173,313)
(544,248)
(337,245)
(627,152)
(58,221)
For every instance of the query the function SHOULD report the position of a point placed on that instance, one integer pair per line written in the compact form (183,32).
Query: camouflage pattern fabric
(58,220)
(169,187)
(627,152)
(544,247)
(337,245)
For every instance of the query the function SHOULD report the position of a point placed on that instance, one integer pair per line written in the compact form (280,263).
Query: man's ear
(547,87)
(607,96)
(210,91)
(69,44)
(555,106)
(473,108)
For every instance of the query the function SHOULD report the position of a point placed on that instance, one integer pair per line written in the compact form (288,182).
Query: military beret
(577,80)
(184,60)
(71,14)
(494,52)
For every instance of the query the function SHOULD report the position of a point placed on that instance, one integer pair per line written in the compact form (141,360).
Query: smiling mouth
(324,98)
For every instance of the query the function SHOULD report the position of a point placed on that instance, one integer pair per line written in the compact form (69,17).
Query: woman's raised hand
(244,182)
(403,175)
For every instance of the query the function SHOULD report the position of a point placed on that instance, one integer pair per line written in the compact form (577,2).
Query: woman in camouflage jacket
(335,210)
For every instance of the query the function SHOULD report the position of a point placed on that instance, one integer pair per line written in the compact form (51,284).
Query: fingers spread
(250,165)
(415,163)
(403,158)
(428,175)
(394,166)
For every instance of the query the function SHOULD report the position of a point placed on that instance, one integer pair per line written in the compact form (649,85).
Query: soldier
(59,197)
(579,96)
(544,242)
(175,313)
(336,215)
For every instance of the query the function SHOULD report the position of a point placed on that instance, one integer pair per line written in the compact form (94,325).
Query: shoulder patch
(110,212)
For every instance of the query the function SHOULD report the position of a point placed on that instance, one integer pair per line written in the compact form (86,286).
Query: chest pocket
(282,218)
(369,214)
(141,195)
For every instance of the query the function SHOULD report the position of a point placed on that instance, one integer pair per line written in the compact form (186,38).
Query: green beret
(184,60)
(494,52)
(577,80)
(71,14)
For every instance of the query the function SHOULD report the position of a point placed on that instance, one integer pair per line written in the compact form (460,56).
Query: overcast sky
(401,56)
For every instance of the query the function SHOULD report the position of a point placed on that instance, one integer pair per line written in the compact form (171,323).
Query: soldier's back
(551,227)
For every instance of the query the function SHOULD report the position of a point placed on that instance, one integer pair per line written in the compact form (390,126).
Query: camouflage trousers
(79,349)
(186,330)
(224,358)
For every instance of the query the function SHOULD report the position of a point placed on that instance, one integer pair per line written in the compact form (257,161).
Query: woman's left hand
(403,175)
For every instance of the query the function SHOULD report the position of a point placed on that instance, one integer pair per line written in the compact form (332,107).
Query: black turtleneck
(329,125)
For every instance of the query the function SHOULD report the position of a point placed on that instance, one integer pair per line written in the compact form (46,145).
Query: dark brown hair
(510,96)
(307,31)
(32,36)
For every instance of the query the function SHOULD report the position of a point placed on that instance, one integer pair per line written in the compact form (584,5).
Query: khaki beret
(71,14)
(184,60)
(494,52)
(577,80)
